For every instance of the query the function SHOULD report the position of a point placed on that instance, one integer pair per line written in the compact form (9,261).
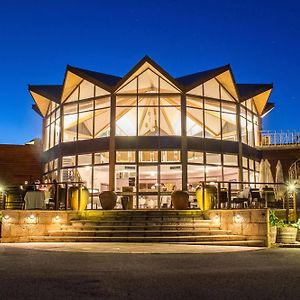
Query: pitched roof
(200,77)
(107,79)
(51,92)
(148,60)
(247,91)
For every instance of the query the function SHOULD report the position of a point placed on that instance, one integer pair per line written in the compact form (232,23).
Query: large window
(148,106)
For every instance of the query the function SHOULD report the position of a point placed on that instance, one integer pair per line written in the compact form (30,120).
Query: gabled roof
(223,74)
(145,62)
(195,79)
(106,79)
(43,95)
(51,92)
(247,91)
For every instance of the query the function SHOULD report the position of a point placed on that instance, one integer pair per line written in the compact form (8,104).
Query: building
(20,163)
(148,133)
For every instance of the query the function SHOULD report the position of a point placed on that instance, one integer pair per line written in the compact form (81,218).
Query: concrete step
(136,222)
(162,239)
(162,226)
(99,213)
(138,233)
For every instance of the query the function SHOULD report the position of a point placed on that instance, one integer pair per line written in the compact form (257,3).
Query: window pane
(86,106)
(85,125)
(194,122)
(170,120)
(195,157)
(102,103)
(101,158)
(102,122)
(148,179)
(195,175)
(148,121)
(170,177)
(213,158)
(172,156)
(148,156)
(230,160)
(101,178)
(68,161)
(85,159)
(125,178)
(125,156)
(126,101)
(126,121)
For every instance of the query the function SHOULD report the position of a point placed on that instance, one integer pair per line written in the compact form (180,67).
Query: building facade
(148,133)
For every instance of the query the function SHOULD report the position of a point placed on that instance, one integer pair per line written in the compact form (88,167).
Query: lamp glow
(238,218)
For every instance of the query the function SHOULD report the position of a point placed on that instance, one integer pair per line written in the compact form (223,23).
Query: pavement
(147,271)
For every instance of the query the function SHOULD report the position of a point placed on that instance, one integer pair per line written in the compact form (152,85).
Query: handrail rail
(279,138)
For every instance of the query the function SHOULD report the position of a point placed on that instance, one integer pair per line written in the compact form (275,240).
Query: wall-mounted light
(31,217)
(6,217)
(56,219)
(216,219)
(238,218)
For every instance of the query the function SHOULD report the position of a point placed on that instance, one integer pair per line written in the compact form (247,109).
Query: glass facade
(148,137)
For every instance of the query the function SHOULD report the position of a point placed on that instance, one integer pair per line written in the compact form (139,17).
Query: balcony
(280,139)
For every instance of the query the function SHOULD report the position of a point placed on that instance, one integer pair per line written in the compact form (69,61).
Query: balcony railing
(279,138)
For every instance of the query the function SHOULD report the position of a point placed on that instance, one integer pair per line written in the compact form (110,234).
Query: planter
(273,234)
(210,193)
(287,235)
(74,195)
(180,200)
(108,200)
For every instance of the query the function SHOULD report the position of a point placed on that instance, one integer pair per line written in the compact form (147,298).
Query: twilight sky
(260,39)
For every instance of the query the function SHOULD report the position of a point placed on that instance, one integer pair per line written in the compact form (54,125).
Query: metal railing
(279,138)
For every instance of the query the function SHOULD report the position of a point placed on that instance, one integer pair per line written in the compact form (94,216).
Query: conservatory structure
(148,133)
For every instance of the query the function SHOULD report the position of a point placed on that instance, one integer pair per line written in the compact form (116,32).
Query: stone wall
(253,223)
(19,225)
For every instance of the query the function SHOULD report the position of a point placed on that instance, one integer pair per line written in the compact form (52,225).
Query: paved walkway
(158,248)
(146,271)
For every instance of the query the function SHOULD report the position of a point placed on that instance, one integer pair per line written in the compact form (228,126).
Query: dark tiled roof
(201,77)
(109,80)
(247,91)
(52,92)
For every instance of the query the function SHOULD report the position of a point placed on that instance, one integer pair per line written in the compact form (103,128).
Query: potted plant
(273,220)
(297,225)
(286,233)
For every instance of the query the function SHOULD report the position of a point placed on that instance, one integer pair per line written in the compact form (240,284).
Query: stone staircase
(164,226)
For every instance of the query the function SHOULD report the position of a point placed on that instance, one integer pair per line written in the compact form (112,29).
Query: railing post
(79,196)
(66,196)
(219,195)
(229,194)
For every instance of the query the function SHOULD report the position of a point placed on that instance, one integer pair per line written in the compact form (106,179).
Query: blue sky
(260,39)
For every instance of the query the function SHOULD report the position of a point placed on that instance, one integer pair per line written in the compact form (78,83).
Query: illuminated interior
(206,108)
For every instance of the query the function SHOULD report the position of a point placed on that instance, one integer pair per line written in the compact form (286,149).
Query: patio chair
(223,198)
(256,200)
(242,199)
